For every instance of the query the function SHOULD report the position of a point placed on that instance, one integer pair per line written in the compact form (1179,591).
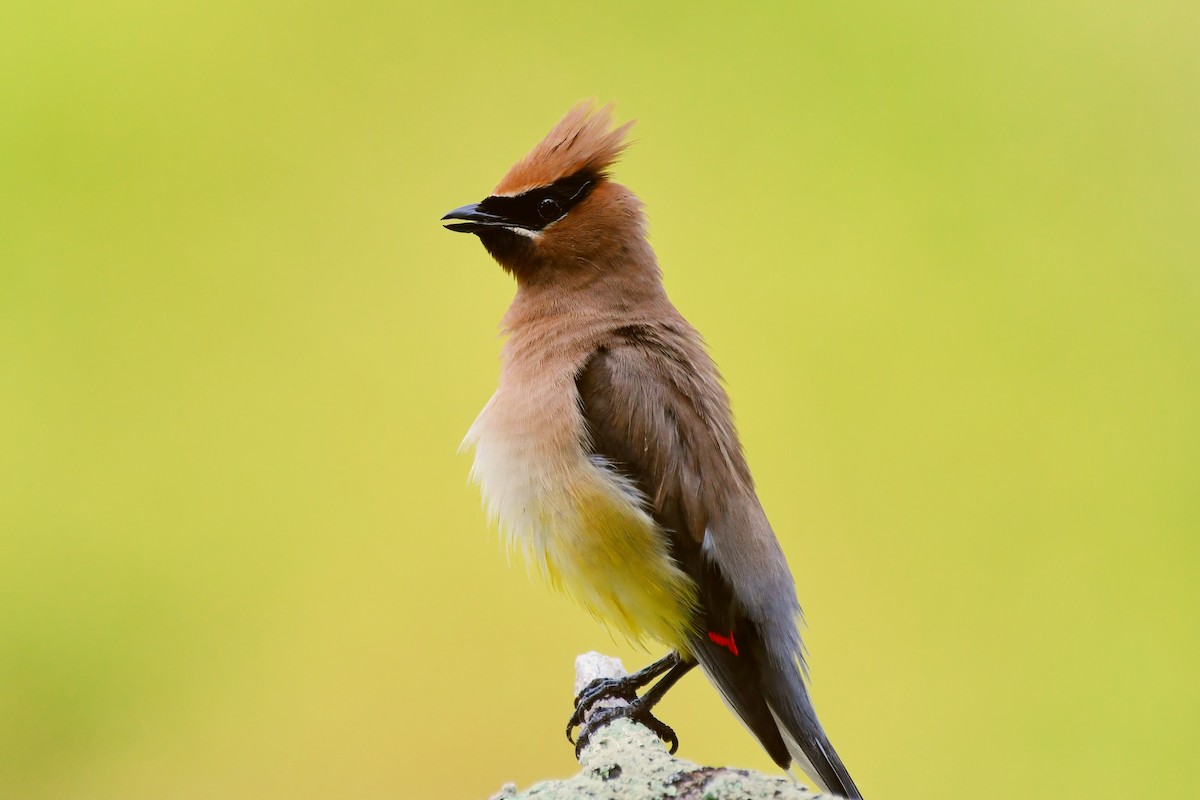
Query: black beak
(475,220)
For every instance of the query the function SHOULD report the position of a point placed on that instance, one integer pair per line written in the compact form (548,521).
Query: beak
(475,220)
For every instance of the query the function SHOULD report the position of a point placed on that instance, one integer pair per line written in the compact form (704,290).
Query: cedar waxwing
(608,453)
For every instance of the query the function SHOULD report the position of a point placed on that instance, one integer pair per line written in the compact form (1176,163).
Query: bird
(608,455)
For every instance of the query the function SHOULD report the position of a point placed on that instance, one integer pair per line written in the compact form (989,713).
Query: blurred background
(947,256)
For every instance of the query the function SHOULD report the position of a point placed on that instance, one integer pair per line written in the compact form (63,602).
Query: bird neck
(619,284)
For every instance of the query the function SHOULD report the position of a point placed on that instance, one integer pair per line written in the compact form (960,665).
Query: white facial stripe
(528,234)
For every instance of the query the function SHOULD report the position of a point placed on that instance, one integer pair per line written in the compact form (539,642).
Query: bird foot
(635,711)
(600,689)
(630,706)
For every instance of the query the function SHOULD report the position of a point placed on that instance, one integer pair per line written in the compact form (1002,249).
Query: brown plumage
(608,453)
(582,140)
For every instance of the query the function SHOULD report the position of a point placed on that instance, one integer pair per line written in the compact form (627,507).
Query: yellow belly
(579,524)
(616,564)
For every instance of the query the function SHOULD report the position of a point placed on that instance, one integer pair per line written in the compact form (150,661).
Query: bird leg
(638,708)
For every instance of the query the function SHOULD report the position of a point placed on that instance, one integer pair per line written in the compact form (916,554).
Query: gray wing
(656,412)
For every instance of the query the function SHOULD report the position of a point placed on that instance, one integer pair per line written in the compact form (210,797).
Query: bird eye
(549,209)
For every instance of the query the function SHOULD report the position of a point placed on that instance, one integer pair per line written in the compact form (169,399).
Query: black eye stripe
(529,209)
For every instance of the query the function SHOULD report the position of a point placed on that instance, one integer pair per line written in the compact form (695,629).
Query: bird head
(556,210)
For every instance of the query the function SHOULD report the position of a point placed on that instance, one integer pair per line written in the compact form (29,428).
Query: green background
(946,254)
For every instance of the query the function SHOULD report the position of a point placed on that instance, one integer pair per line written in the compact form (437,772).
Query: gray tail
(787,697)
(772,701)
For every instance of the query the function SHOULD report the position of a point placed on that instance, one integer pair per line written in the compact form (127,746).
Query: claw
(635,708)
(634,711)
(661,729)
(623,688)
(594,692)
